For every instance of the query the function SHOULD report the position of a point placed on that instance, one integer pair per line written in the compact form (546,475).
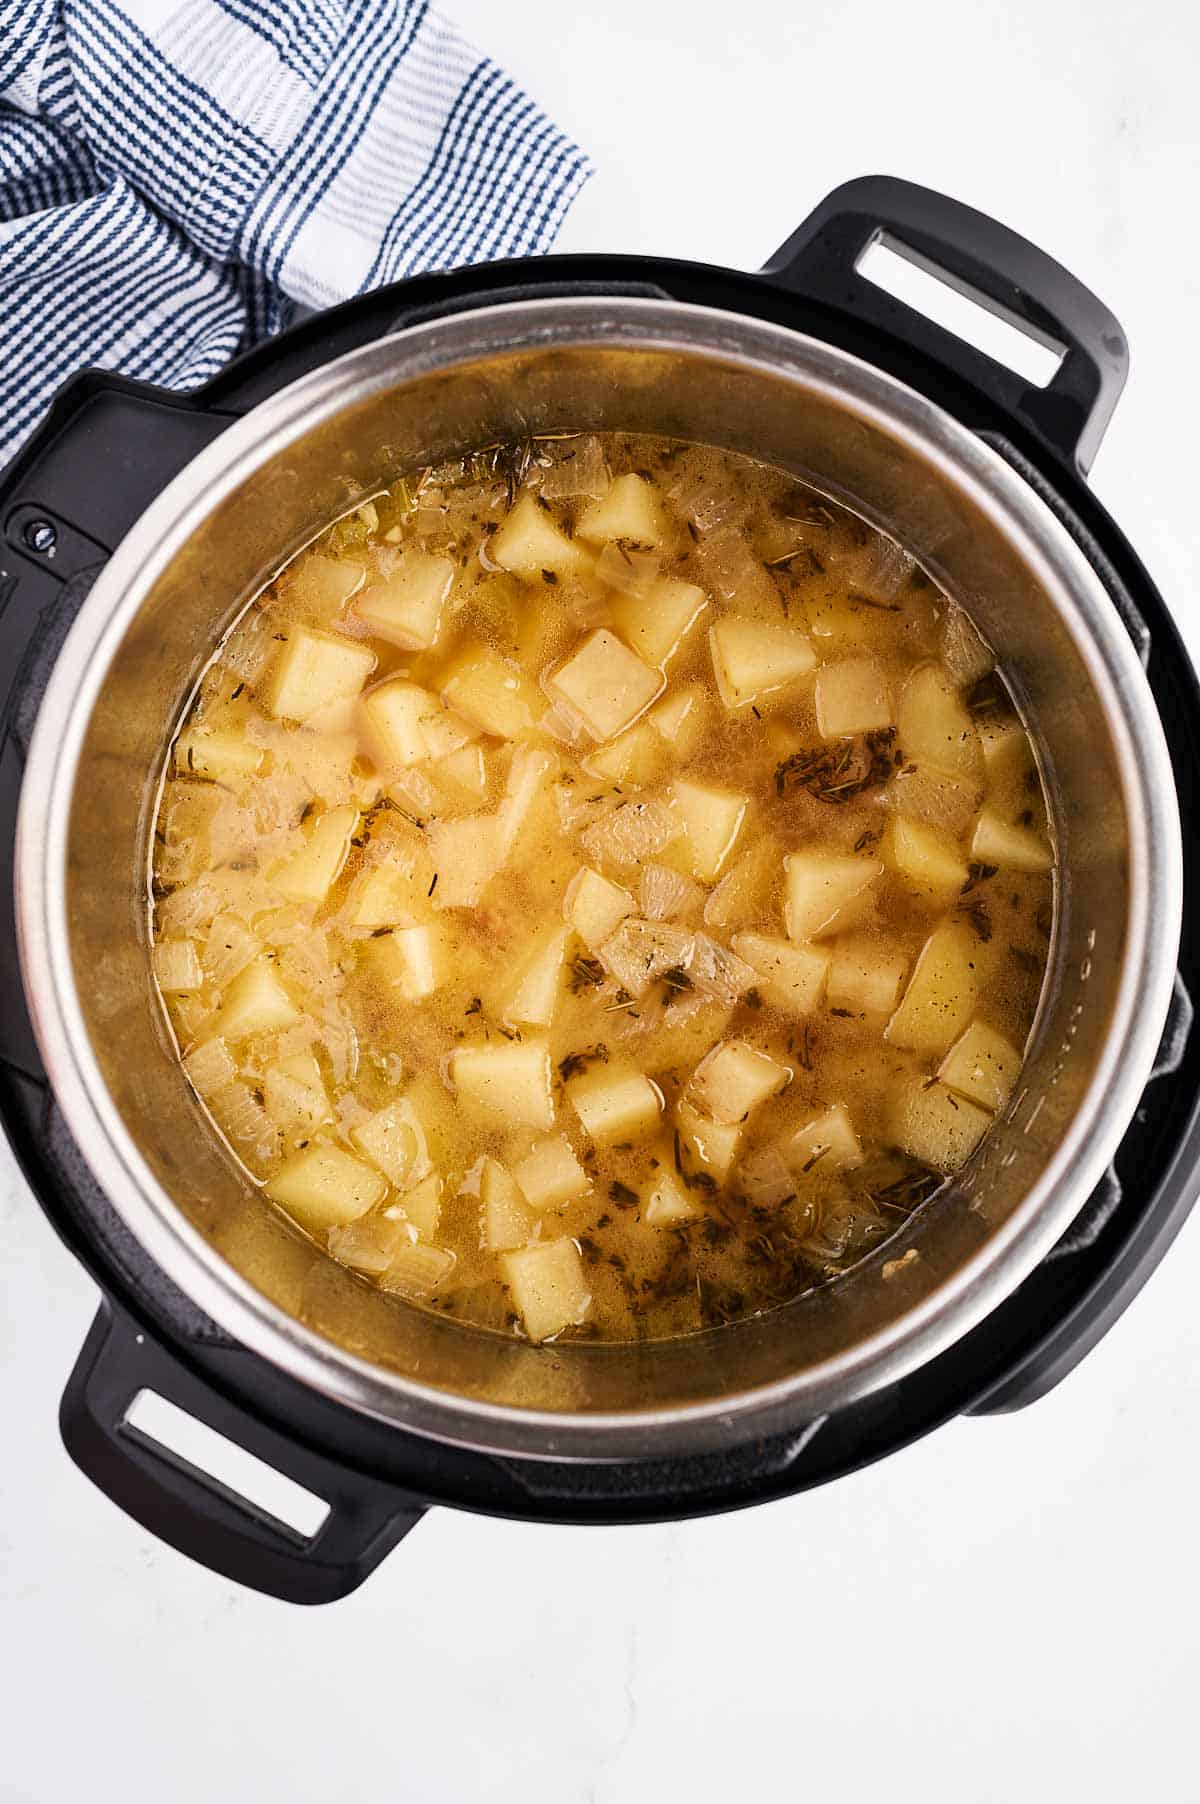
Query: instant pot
(136,522)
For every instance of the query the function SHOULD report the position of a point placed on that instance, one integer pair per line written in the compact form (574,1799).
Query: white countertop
(1006,1609)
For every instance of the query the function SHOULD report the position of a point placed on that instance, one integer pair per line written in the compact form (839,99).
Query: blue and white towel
(175,174)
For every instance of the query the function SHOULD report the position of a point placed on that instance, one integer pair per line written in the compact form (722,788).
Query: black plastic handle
(992,265)
(195,1512)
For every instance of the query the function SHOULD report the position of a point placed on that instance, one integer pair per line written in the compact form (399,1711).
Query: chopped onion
(371,1243)
(210,1068)
(766,1179)
(418,1269)
(693,496)
(879,570)
(665,893)
(640,951)
(229,948)
(632,572)
(719,972)
(737,575)
(964,653)
(632,833)
(577,467)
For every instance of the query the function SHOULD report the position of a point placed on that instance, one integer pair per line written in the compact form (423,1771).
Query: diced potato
(315,670)
(309,874)
(406,608)
(531,997)
(792,977)
(408,959)
(210,1068)
(463,775)
(322,760)
(530,541)
(594,907)
(1005,747)
(466,855)
(605,684)
(669,1202)
(323,584)
(221,757)
(177,967)
(394,713)
(294,1093)
(506,1221)
(255,1003)
(616,1103)
(932,1124)
(734,1080)
(826,1143)
(490,692)
(864,976)
(528,775)
(941,994)
(550,1175)
(929,862)
(744,892)
(638,758)
(640,952)
(394,1140)
(656,623)
(1012,848)
(820,886)
(445,732)
(416,1271)
(548,1287)
(713,1145)
(982,1066)
(509,1083)
(852,697)
(323,1187)
(934,727)
(390,895)
(680,719)
(420,1207)
(712,820)
(629,512)
(754,658)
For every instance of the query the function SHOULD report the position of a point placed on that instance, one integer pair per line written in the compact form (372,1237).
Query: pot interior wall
(423,418)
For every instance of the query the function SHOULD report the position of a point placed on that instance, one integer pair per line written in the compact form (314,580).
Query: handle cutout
(892,266)
(172,1432)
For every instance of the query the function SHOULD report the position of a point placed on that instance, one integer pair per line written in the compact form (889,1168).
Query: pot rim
(1008,1255)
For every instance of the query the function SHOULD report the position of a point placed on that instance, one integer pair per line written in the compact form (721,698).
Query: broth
(602,888)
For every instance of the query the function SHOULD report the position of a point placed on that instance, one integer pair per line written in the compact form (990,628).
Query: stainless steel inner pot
(236,514)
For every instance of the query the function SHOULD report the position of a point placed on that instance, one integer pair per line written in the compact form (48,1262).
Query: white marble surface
(1006,1609)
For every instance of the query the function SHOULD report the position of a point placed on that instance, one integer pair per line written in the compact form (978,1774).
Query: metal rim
(1009,1254)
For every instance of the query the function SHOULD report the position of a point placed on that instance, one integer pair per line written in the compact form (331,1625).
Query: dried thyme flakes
(838,773)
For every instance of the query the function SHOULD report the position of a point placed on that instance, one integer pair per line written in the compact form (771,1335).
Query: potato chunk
(406,608)
(394,1140)
(410,960)
(864,976)
(177,967)
(928,861)
(313,671)
(531,998)
(1012,848)
(680,719)
(550,1175)
(506,1221)
(852,697)
(255,1003)
(656,623)
(941,994)
(792,976)
(605,684)
(934,727)
(615,1103)
(734,1080)
(508,1083)
(221,757)
(294,1095)
(820,885)
(548,1286)
(669,1203)
(712,1145)
(629,512)
(595,907)
(395,714)
(324,1188)
(466,855)
(826,1143)
(931,1123)
(712,820)
(530,541)
(754,658)
(490,692)
(420,1207)
(638,758)
(309,874)
(982,1066)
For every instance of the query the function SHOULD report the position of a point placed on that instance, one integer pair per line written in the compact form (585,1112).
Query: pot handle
(198,1514)
(991,265)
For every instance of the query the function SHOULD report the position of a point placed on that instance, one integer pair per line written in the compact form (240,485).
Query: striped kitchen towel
(176,174)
